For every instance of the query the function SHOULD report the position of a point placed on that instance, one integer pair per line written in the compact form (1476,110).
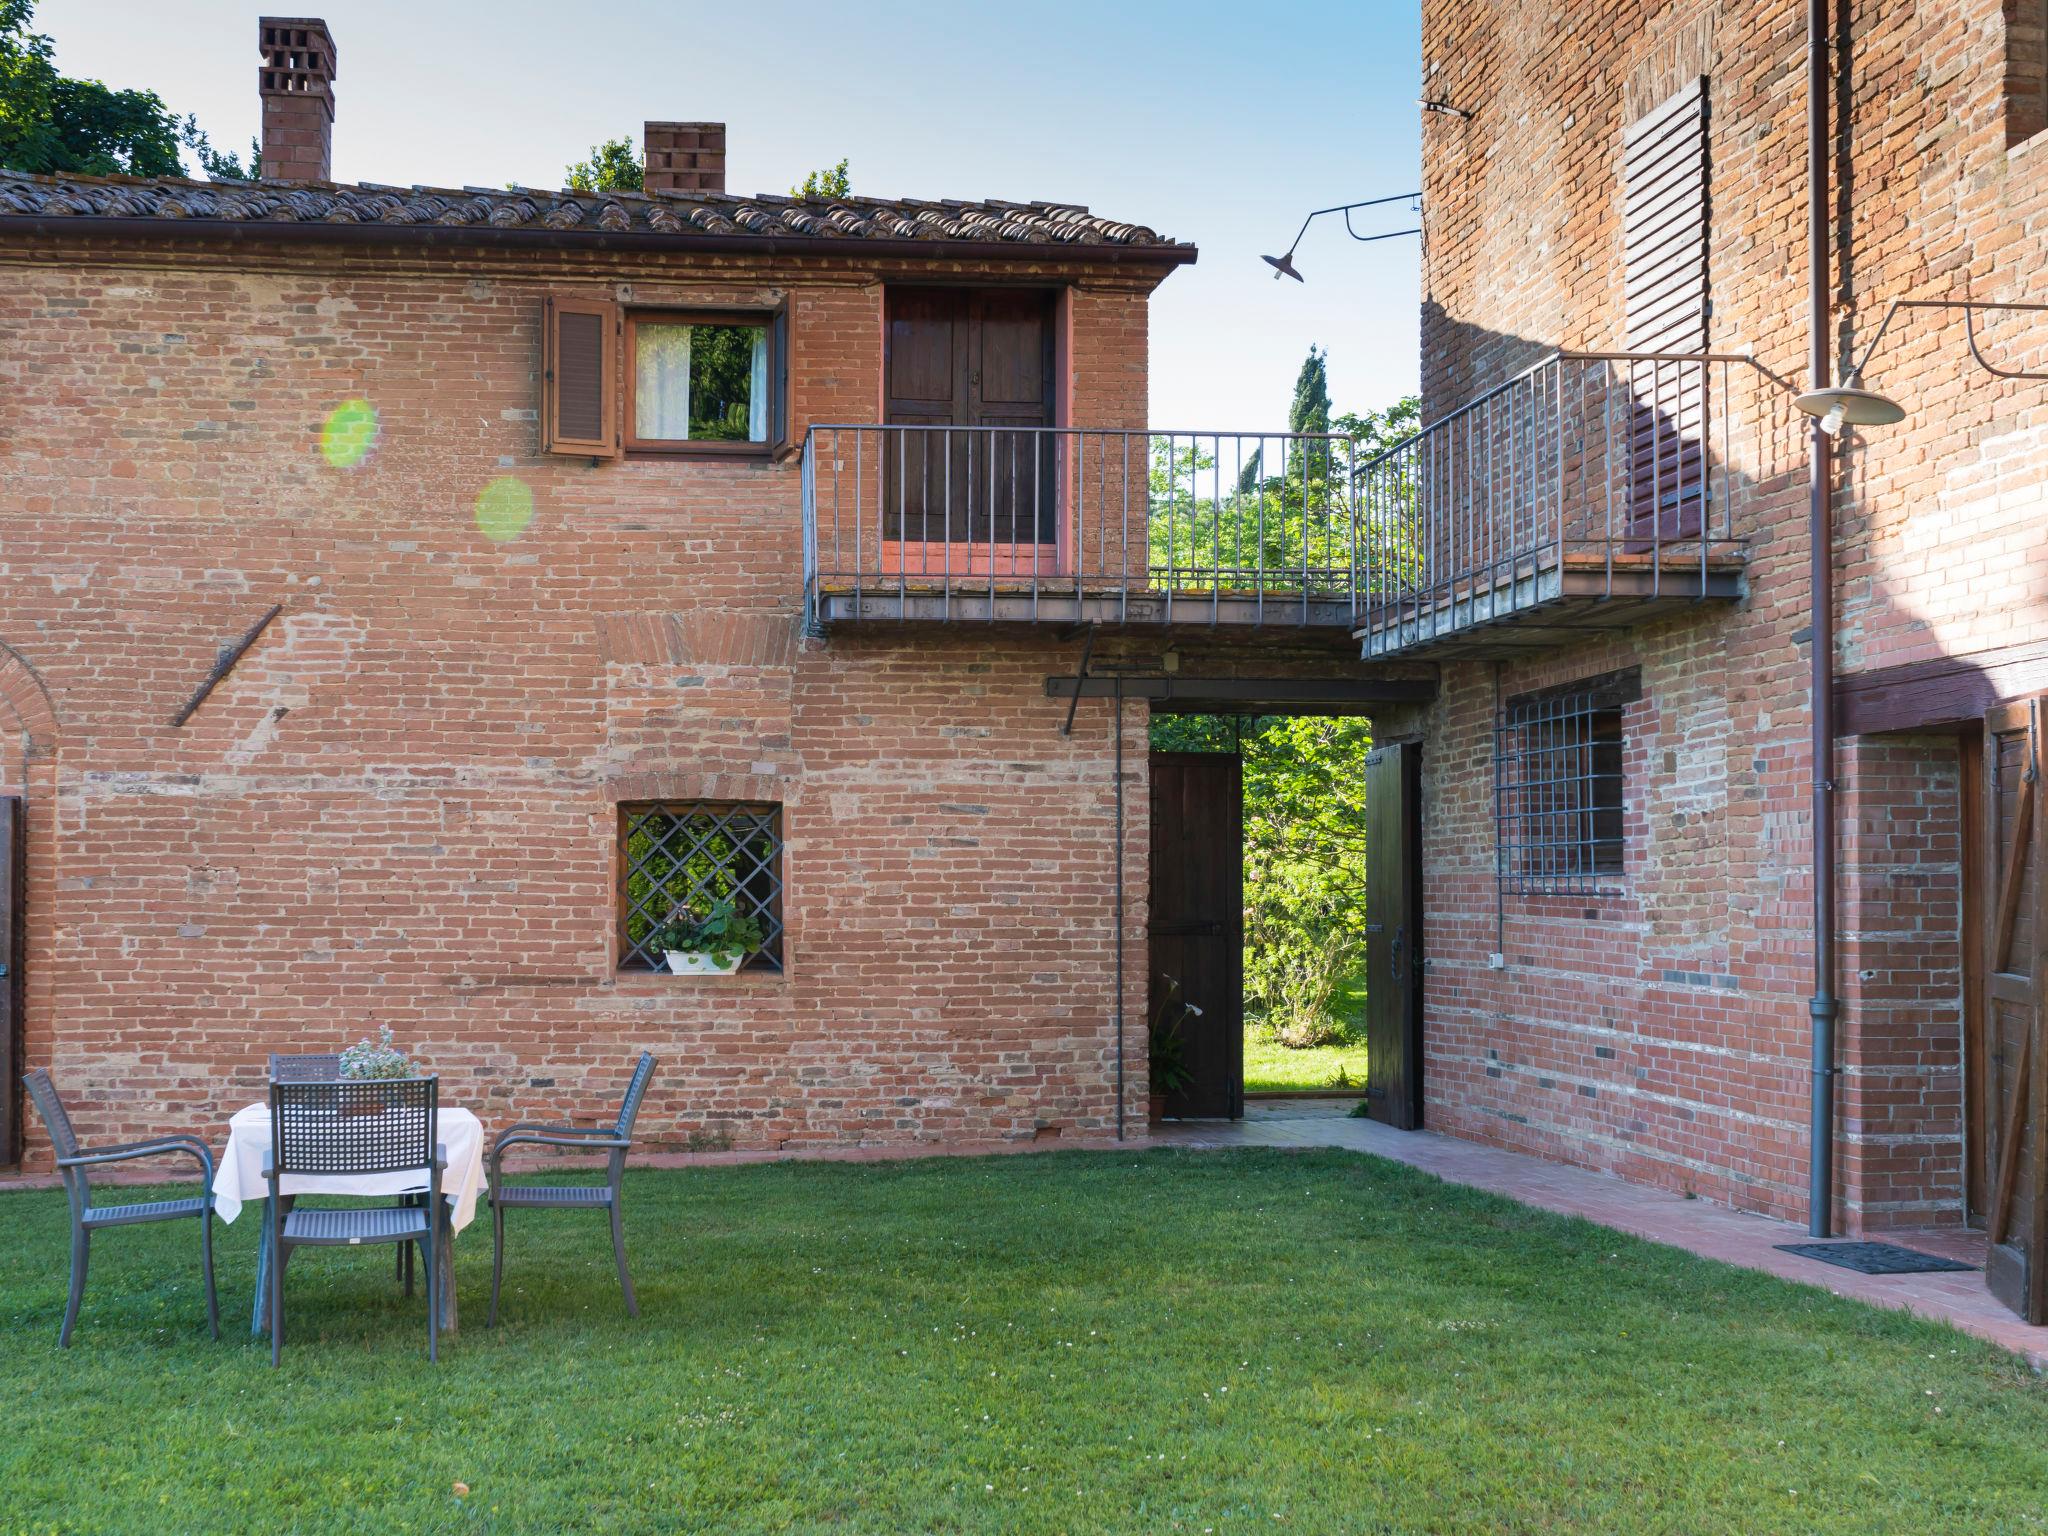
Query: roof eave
(284,231)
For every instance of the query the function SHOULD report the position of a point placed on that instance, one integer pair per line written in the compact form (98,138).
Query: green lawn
(1076,1342)
(1270,1066)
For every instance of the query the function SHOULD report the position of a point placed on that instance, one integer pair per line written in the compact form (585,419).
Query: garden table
(241,1178)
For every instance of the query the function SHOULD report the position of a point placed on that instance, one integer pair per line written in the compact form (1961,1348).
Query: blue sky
(1217,123)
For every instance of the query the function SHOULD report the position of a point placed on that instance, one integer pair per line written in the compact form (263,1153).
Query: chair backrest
(385,1125)
(51,1108)
(635,1092)
(317,1067)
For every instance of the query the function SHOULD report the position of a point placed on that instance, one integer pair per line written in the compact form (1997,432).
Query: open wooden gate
(2015,1077)
(1197,925)
(11,946)
(1393,935)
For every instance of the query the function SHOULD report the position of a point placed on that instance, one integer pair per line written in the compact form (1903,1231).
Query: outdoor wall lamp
(1851,405)
(1283,266)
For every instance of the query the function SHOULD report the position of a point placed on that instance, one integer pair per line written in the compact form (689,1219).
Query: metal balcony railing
(1082,525)
(1590,477)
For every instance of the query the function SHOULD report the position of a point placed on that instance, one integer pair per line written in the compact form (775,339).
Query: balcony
(1067,526)
(1593,492)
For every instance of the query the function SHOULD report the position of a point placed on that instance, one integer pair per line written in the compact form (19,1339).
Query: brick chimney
(297,86)
(685,157)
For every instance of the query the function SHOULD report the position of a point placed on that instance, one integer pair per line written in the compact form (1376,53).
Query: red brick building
(832,536)
(1617,796)
(498,523)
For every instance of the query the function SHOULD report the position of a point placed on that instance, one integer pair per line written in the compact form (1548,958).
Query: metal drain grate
(1874,1258)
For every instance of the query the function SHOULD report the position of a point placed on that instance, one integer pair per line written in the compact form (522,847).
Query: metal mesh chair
(614,1138)
(87,1218)
(369,1127)
(308,1067)
(325,1067)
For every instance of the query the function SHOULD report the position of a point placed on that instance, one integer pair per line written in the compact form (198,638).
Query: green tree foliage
(826,183)
(1310,409)
(1304,860)
(52,124)
(613,166)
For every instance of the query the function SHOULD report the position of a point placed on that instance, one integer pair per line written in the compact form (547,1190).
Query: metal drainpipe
(1820,534)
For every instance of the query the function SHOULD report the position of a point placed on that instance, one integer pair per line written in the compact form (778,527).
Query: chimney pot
(684,157)
(296,83)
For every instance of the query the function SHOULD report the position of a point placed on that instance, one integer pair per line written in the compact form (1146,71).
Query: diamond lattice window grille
(680,858)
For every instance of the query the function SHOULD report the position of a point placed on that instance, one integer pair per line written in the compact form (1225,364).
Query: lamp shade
(1853,407)
(1283,266)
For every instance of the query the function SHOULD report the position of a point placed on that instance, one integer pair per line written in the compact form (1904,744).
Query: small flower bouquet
(373,1062)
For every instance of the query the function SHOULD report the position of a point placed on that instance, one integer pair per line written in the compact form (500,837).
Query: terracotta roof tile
(685,215)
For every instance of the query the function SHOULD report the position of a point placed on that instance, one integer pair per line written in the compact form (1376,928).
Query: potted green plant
(372,1061)
(1167,1066)
(711,943)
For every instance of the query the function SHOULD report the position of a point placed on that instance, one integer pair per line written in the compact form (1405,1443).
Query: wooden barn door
(2015,1078)
(12,945)
(1393,941)
(1197,924)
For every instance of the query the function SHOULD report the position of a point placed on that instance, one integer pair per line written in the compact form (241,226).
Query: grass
(1272,1067)
(1073,1342)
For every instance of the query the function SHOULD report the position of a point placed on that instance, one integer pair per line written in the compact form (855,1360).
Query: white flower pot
(696,962)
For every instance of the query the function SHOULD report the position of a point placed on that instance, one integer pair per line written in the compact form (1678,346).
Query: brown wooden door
(1197,931)
(12,945)
(970,357)
(2015,1076)
(1393,944)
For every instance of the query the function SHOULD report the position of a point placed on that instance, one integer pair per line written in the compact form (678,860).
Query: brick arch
(28,716)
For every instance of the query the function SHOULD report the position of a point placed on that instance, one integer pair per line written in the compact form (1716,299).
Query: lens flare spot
(349,433)
(504,508)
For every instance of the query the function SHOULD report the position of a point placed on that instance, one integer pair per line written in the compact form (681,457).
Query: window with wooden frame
(1559,811)
(681,862)
(696,383)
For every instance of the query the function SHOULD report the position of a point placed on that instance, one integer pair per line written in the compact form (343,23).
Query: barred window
(679,863)
(1558,785)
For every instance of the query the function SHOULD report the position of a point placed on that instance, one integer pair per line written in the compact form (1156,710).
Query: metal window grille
(677,860)
(1558,792)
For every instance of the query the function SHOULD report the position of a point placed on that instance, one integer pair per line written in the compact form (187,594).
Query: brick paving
(1698,1226)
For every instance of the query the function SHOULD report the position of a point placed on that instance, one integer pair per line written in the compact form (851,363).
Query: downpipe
(1823,1007)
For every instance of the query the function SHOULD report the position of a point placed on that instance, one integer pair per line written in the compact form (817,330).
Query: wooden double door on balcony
(981,359)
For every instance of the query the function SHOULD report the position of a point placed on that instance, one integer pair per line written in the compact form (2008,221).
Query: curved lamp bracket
(1969,307)
(1283,266)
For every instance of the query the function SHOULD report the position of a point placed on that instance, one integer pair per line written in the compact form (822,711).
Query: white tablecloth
(240,1176)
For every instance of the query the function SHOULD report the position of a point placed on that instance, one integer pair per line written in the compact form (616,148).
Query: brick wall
(400,807)
(1664,1034)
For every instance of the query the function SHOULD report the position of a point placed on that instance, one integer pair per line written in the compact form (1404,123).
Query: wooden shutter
(779,409)
(579,397)
(1664,252)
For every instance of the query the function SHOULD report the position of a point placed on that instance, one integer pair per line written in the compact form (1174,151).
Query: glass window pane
(661,380)
(728,376)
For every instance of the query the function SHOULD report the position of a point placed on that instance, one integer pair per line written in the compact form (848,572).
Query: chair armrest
(188,1145)
(548,1139)
(530,1127)
(441,1156)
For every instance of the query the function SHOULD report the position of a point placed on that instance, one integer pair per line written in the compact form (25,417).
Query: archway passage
(1285,940)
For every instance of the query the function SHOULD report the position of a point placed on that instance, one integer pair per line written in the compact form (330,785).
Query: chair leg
(619,1253)
(81,1241)
(206,1262)
(497,1258)
(278,1254)
(431,1257)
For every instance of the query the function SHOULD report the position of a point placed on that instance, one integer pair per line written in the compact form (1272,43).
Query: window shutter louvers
(580,378)
(778,363)
(1665,208)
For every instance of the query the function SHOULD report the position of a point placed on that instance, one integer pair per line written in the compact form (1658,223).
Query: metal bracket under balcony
(1594,492)
(1032,525)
